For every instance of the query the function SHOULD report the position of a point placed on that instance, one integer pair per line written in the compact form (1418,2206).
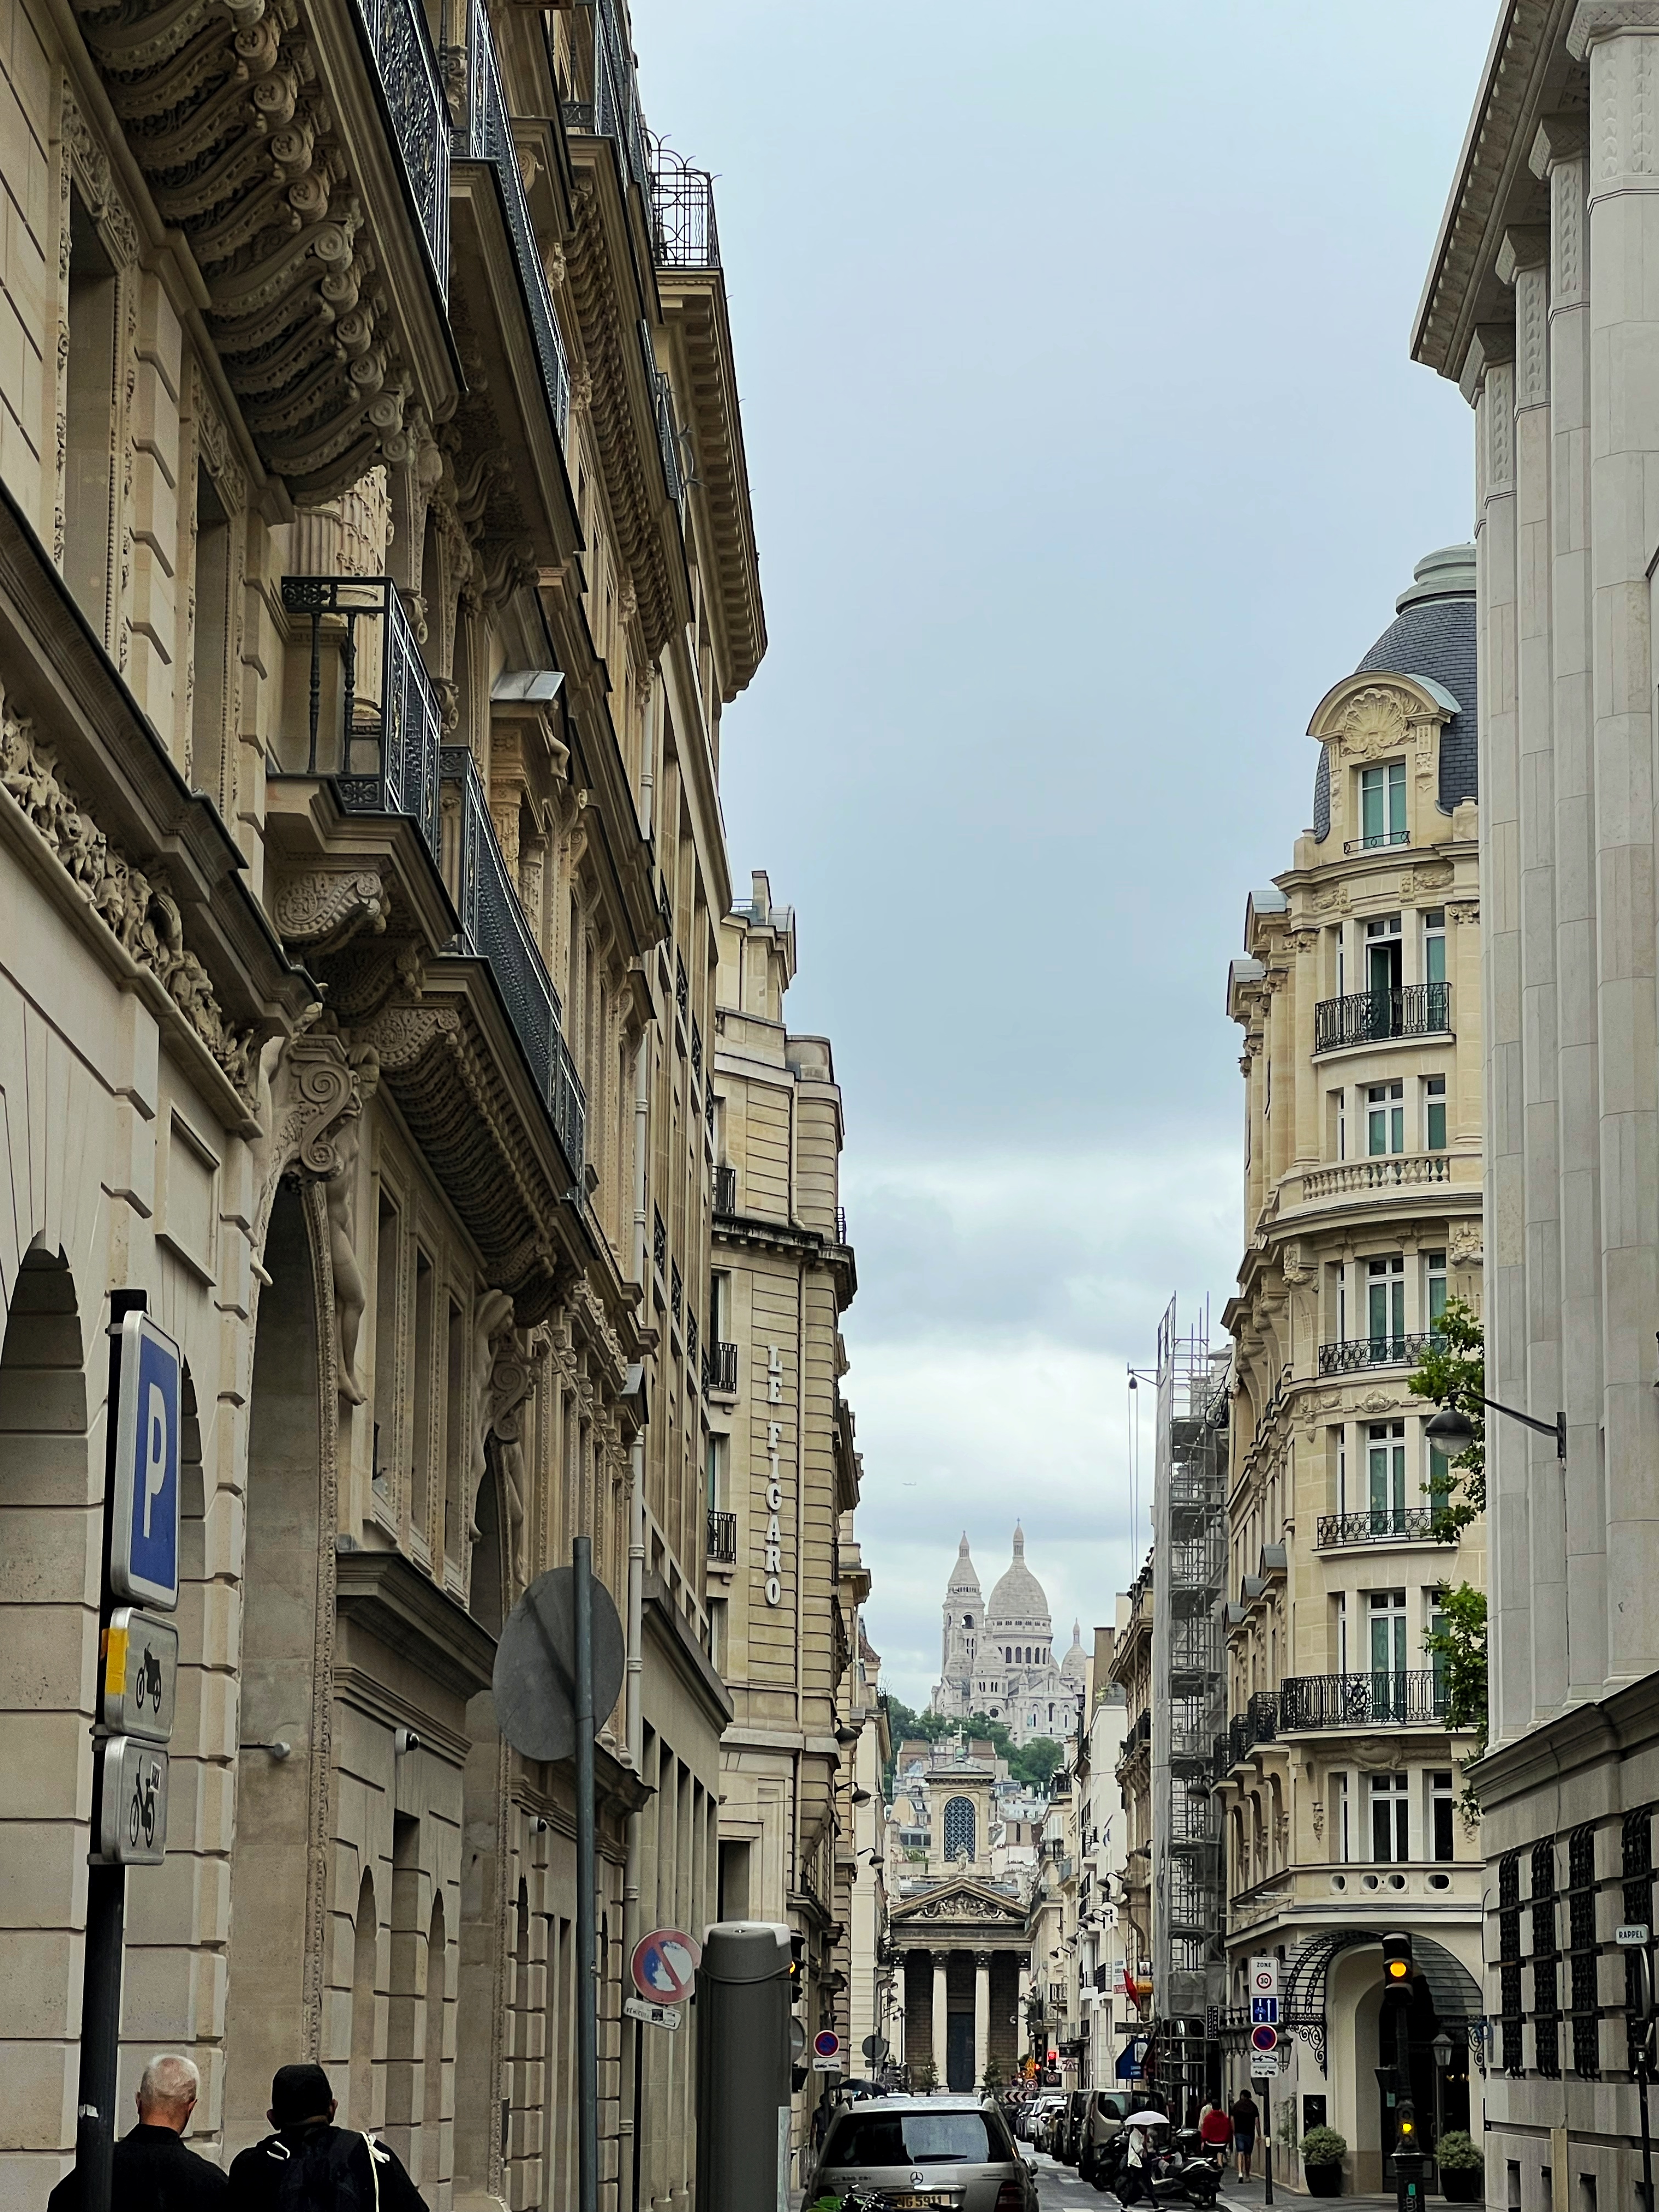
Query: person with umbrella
(1138,2153)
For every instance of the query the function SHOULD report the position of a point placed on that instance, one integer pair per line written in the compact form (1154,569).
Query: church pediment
(962,1902)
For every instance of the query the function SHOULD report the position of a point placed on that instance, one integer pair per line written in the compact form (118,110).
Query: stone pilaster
(1622,44)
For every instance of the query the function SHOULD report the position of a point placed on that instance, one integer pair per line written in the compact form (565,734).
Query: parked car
(924,2150)
(1053,2116)
(1034,2116)
(1068,2146)
(1108,2109)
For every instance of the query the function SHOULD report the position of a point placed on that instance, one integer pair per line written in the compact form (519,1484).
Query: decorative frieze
(138,911)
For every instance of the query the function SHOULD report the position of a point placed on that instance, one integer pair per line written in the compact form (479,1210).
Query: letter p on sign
(144,1426)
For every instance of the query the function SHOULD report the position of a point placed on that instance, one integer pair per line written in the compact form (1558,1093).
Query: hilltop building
(997,1658)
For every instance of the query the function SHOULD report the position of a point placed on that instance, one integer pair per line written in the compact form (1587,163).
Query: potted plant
(1322,2153)
(1462,2168)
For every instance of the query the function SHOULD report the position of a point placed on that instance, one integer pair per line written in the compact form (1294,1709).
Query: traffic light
(1405,2118)
(797,1967)
(1397,1967)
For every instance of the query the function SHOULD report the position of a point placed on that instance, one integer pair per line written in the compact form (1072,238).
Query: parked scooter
(1180,2174)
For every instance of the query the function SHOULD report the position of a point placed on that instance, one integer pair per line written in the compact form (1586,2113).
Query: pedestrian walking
(310,2165)
(1215,2132)
(1246,2117)
(153,2171)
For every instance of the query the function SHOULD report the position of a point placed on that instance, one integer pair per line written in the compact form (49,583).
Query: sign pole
(639,2101)
(588,2055)
(1266,2142)
(106,1886)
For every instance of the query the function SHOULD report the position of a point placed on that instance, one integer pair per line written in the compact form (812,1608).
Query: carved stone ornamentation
(323,910)
(492,1330)
(139,913)
(1466,1247)
(509,1383)
(1373,722)
(1294,1264)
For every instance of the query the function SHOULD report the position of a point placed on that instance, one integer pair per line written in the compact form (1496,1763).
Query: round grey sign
(534,1682)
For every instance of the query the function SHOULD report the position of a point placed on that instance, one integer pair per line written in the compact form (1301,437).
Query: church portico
(962,1952)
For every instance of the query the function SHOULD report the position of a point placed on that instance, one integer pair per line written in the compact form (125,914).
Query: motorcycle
(1179,2174)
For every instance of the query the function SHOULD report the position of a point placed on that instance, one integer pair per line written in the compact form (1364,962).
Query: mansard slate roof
(1431,636)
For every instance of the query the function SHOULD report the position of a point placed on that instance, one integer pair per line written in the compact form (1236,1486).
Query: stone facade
(787,1580)
(362,649)
(1535,305)
(1359,1001)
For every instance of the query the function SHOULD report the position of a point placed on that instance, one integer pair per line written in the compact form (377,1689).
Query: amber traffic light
(1396,1960)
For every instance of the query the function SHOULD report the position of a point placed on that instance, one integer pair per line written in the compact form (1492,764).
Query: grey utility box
(742,2067)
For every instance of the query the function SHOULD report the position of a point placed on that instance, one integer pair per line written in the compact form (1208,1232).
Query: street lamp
(1442,2049)
(1454,1432)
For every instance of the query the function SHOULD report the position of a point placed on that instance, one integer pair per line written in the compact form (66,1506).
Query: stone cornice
(686,1656)
(411,1616)
(1529,72)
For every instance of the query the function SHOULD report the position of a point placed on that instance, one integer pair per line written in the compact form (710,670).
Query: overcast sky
(1086,455)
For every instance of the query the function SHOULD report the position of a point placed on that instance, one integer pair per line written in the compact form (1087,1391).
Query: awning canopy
(1456,1992)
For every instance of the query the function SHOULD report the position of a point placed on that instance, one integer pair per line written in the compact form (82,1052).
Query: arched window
(967,1619)
(959,1828)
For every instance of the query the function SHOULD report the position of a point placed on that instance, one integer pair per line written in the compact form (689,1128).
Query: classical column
(981,2014)
(941,2013)
(1622,43)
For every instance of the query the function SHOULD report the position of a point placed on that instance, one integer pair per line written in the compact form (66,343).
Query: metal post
(1647,2140)
(1266,2142)
(107,1892)
(588,2053)
(638,2100)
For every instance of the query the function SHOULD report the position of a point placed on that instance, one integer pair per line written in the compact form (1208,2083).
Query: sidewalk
(1238,2196)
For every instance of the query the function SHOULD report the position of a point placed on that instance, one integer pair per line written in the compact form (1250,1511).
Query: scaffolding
(1189,1709)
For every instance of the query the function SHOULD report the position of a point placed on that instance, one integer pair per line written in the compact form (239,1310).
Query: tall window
(1385,1118)
(1383,805)
(1385,1318)
(1391,1827)
(1434,945)
(1342,1099)
(1383,954)
(89,521)
(1440,1814)
(210,645)
(1385,1461)
(1434,1114)
(1387,1612)
(959,1828)
(1340,1841)
(1434,1287)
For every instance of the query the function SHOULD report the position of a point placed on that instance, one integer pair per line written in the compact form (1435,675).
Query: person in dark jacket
(154,2172)
(310,2165)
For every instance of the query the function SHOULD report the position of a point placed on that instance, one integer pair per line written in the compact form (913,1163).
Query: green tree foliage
(1035,1765)
(1452,1373)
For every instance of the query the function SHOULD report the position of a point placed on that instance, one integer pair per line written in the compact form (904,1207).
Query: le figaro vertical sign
(774,1549)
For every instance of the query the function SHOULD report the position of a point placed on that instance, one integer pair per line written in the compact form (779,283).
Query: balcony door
(1385,1454)
(1387,1609)
(1385,1317)
(1384,952)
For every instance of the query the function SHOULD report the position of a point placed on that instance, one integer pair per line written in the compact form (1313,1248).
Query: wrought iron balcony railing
(1359,1352)
(725,1190)
(1373,1017)
(1385,1700)
(374,723)
(719,1367)
(723,1537)
(486,136)
(406,70)
(616,96)
(1405,1524)
(494,929)
(683,200)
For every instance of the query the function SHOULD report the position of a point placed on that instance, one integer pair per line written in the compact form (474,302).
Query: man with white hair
(154,2172)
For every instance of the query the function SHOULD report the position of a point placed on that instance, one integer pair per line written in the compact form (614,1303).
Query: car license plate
(911,2200)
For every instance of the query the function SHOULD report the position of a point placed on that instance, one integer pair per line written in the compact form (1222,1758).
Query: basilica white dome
(1018,1602)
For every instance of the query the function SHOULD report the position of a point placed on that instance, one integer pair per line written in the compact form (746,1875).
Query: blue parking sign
(143,1561)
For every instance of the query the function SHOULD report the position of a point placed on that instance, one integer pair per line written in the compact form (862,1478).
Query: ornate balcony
(682,199)
(486,136)
(1358,1354)
(494,929)
(725,1190)
(1387,1171)
(1356,1701)
(723,1538)
(304,153)
(1380,1017)
(1384,1524)
(373,719)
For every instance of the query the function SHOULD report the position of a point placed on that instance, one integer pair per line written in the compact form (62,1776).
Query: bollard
(742,2067)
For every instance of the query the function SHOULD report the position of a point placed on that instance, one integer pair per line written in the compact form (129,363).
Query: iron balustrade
(1380,1700)
(379,736)
(1373,1017)
(676,1290)
(725,1190)
(486,136)
(495,929)
(1373,844)
(723,1537)
(682,199)
(616,94)
(411,94)
(1356,1353)
(697,1052)
(1417,1524)
(1261,1716)
(719,1365)
(659,1240)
